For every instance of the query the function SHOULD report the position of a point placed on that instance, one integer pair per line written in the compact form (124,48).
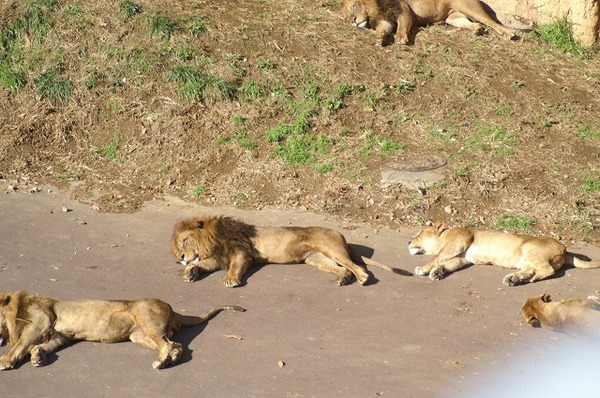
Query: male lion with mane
(206,244)
(39,325)
(578,317)
(454,248)
(386,15)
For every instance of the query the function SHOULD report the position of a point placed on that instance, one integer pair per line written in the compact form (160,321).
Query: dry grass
(284,104)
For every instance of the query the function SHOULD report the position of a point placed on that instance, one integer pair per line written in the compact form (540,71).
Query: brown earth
(517,121)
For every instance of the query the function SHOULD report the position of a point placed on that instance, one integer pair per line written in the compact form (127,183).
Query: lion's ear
(200,224)
(4,299)
(439,226)
(546,298)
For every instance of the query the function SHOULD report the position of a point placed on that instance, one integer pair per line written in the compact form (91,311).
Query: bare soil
(517,121)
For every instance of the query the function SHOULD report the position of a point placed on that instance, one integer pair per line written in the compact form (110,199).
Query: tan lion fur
(578,317)
(206,244)
(383,16)
(40,325)
(468,14)
(454,248)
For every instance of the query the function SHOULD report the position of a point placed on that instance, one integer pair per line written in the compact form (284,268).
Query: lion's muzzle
(360,24)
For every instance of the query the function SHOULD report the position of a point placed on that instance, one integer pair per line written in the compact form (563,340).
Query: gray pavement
(402,336)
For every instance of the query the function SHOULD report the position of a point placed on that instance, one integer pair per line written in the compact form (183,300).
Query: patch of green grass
(250,91)
(503,110)
(53,86)
(507,221)
(591,185)
(163,26)
(65,176)
(265,65)
(198,190)
(586,132)
(197,25)
(559,36)
(462,171)
(373,143)
(196,85)
(322,144)
(494,138)
(295,150)
(129,8)
(111,148)
(346,89)
(324,168)
(241,197)
(372,97)
(403,87)
(10,79)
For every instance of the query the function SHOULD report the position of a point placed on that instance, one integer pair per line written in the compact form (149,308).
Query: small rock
(281,364)
(65,209)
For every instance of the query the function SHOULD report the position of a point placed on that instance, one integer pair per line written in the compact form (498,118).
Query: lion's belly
(103,321)
(428,11)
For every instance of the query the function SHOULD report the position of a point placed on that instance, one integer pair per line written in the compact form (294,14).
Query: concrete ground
(302,336)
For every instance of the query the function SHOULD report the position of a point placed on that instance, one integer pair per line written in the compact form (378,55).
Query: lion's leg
(38,352)
(441,269)
(152,332)
(461,21)
(325,264)
(524,275)
(404,22)
(382,31)
(194,272)
(30,336)
(343,258)
(474,11)
(237,268)
(451,250)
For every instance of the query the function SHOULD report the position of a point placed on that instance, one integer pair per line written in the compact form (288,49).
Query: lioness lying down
(579,317)
(206,244)
(387,16)
(39,325)
(454,248)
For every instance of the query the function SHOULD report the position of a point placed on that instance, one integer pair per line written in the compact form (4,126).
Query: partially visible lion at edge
(36,326)
(207,244)
(387,16)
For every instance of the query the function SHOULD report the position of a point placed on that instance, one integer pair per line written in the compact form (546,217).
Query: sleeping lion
(389,16)
(578,317)
(206,244)
(535,258)
(39,325)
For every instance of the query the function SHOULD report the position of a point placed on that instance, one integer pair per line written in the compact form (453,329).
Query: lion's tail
(386,267)
(581,261)
(191,320)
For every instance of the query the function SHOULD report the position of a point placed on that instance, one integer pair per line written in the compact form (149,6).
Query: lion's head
(192,240)
(531,308)
(359,12)
(426,241)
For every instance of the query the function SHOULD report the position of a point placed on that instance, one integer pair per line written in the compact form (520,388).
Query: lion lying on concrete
(454,248)
(39,325)
(206,244)
(387,16)
(578,317)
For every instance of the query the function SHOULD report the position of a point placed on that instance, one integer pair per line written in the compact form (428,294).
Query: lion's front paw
(437,273)
(38,357)
(511,280)
(421,271)
(176,353)
(344,279)
(5,364)
(231,282)
(191,274)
